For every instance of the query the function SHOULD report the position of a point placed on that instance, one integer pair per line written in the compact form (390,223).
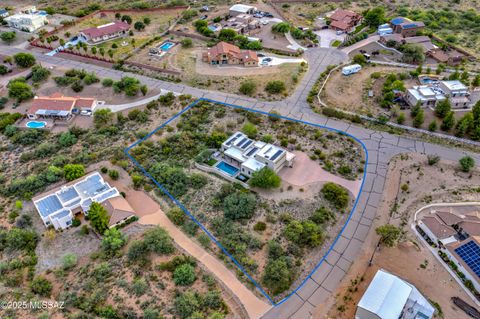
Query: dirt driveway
(306,171)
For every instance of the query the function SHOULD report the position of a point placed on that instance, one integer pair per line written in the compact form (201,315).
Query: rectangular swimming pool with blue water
(227,168)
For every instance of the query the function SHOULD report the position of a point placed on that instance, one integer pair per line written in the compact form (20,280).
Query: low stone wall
(213,170)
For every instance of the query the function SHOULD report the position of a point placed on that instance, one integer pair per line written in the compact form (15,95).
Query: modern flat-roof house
(390,297)
(58,207)
(344,20)
(228,54)
(238,9)
(457,235)
(105,32)
(26,22)
(406,27)
(57,106)
(428,95)
(3,13)
(250,155)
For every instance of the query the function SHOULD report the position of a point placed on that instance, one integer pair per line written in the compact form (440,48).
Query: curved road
(381,148)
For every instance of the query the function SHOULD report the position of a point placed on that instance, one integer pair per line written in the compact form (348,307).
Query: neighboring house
(58,207)
(424,41)
(26,22)
(344,20)
(251,156)
(457,235)
(30,9)
(119,210)
(61,107)
(406,27)
(3,13)
(450,57)
(390,297)
(428,95)
(228,54)
(105,32)
(238,9)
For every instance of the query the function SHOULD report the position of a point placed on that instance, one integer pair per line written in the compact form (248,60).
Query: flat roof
(241,8)
(253,164)
(454,85)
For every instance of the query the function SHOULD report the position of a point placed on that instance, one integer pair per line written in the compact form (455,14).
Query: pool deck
(22,123)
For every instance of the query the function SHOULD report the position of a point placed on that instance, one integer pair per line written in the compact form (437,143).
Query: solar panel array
(470,253)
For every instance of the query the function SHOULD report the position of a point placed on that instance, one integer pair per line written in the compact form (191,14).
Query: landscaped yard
(279,234)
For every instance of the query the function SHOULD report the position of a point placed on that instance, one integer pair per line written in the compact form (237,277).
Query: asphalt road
(381,148)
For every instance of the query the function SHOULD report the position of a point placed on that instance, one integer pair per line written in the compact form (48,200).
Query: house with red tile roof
(58,106)
(344,20)
(228,54)
(105,32)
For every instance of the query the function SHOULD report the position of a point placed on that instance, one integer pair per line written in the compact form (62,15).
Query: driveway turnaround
(381,148)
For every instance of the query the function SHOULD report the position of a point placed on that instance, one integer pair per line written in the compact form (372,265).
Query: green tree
(73,171)
(98,216)
(412,53)
(360,59)
(24,60)
(20,91)
(476,81)
(186,304)
(389,234)
(184,275)
(419,119)
(448,122)
(227,35)
(8,36)
(147,20)
(239,206)
(277,276)
(102,117)
(139,26)
(432,127)
(112,241)
(69,261)
(275,87)
(443,108)
(401,118)
(336,194)
(281,27)
(41,286)
(375,17)
(265,178)
(158,241)
(248,87)
(127,19)
(177,216)
(250,130)
(466,163)
(187,43)
(305,233)
(67,139)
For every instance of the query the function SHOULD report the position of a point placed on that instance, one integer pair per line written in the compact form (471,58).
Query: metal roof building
(390,297)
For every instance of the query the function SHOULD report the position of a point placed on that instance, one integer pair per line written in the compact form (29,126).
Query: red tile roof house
(61,107)
(226,53)
(344,20)
(105,32)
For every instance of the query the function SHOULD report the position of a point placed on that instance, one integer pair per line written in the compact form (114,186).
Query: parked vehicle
(351,69)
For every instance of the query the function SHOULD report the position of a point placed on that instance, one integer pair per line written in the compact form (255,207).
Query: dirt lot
(426,184)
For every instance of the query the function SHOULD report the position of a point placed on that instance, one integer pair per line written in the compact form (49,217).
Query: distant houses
(59,206)
(3,13)
(105,32)
(344,20)
(390,297)
(238,9)
(225,53)
(26,22)
(406,27)
(58,106)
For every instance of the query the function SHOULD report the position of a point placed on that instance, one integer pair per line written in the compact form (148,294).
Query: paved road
(381,148)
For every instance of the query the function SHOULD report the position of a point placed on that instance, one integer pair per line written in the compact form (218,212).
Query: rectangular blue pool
(227,168)
(167,45)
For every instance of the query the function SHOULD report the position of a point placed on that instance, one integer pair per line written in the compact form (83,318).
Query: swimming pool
(167,45)
(227,168)
(36,124)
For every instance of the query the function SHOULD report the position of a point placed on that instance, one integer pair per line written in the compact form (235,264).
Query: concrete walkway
(122,107)
(254,306)
(293,44)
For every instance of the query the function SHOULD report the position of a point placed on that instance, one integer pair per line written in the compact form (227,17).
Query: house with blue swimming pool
(59,206)
(242,155)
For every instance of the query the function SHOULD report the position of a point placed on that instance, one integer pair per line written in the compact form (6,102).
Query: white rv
(351,69)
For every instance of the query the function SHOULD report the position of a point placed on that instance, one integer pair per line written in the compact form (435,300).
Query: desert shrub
(184,275)
(275,87)
(265,178)
(336,194)
(239,206)
(177,216)
(69,261)
(41,286)
(389,234)
(278,275)
(260,226)
(466,163)
(248,87)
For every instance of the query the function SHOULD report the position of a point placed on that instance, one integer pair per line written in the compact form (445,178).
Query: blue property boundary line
(185,210)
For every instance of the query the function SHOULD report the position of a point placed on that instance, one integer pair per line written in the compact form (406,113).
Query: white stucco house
(26,22)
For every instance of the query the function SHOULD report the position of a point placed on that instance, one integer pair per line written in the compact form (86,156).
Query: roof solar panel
(244,146)
(242,141)
(67,194)
(277,154)
(253,150)
(470,254)
(49,205)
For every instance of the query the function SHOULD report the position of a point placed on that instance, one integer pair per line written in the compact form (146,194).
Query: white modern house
(390,297)
(238,9)
(26,22)
(250,155)
(428,95)
(58,207)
